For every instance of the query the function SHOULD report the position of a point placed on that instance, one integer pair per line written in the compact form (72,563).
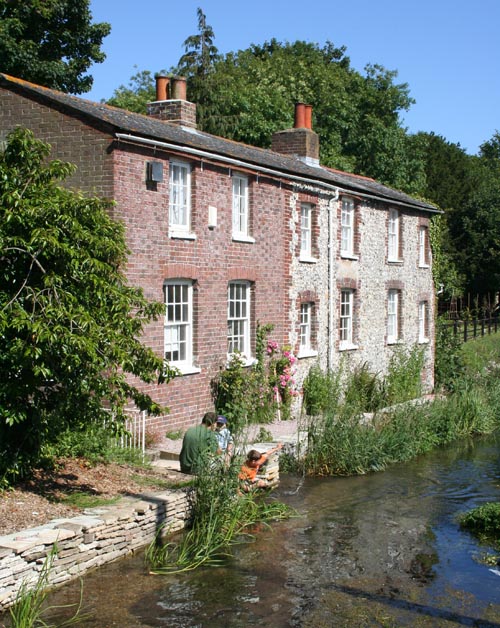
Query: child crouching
(251,467)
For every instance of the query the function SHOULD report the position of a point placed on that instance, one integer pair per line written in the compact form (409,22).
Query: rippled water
(376,550)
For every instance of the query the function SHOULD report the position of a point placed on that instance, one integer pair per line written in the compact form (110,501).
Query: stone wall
(97,537)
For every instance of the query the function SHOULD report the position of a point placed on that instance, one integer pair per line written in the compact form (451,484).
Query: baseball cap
(221,419)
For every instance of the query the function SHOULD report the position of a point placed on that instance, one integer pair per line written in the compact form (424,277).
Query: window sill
(348,346)
(350,256)
(243,238)
(423,341)
(181,235)
(307,353)
(245,361)
(307,259)
(395,341)
(424,266)
(187,369)
(394,261)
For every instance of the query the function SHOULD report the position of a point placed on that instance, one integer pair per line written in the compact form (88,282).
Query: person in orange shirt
(251,467)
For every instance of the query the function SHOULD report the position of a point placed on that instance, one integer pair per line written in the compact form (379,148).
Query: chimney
(176,109)
(301,141)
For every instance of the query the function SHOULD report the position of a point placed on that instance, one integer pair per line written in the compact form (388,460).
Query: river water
(377,550)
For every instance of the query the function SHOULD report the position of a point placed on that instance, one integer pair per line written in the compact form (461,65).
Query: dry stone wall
(97,537)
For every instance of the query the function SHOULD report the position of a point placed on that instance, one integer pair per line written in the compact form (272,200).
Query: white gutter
(331,282)
(224,159)
(243,164)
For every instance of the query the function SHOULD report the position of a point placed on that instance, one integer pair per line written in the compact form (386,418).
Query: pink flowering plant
(259,393)
(281,371)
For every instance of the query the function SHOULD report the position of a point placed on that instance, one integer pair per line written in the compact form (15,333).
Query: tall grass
(221,517)
(344,441)
(30,608)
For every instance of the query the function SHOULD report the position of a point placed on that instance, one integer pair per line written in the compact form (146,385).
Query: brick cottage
(229,235)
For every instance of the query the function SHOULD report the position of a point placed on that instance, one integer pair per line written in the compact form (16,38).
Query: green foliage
(403,379)
(254,394)
(51,42)
(350,392)
(249,94)
(363,390)
(342,444)
(69,323)
(220,518)
(448,361)
(135,96)
(321,391)
(447,280)
(483,521)
(30,608)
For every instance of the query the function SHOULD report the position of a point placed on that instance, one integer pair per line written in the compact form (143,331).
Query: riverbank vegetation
(221,517)
(355,431)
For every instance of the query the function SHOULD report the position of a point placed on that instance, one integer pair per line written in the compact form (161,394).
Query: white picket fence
(135,426)
(136,431)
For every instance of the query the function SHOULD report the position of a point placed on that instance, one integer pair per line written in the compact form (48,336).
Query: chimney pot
(178,88)
(308,116)
(162,87)
(300,115)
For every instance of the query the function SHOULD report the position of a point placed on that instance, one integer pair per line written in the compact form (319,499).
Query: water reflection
(377,550)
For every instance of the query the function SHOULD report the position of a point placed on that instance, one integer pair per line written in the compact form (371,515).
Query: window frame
(393,316)
(245,346)
(306,232)
(181,228)
(184,323)
(346,319)
(423,321)
(423,242)
(240,208)
(393,235)
(347,225)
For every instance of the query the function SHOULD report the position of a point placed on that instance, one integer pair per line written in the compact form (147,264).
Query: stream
(383,549)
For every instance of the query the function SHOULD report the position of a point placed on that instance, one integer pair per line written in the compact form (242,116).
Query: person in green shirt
(198,442)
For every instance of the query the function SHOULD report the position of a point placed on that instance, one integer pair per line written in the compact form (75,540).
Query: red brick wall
(211,261)
(118,171)
(70,140)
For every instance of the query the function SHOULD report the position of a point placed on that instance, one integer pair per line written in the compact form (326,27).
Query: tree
(248,95)
(134,97)
(50,42)
(200,51)
(69,323)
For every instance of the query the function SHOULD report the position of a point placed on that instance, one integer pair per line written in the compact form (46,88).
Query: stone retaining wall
(98,536)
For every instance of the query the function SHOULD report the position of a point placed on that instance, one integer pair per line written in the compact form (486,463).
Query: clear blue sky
(448,51)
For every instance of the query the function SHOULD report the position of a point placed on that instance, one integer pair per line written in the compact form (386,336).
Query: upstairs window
(240,206)
(306,230)
(179,197)
(178,323)
(423,247)
(393,317)
(238,318)
(347,228)
(393,235)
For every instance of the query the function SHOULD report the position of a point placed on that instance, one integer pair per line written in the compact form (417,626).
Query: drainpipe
(332,204)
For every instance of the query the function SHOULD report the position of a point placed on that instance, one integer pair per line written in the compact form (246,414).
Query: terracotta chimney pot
(162,87)
(178,88)
(308,116)
(300,116)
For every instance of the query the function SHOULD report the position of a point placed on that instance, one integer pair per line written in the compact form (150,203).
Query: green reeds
(30,607)
(221,518)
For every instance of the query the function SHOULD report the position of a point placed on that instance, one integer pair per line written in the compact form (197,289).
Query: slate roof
(121,121)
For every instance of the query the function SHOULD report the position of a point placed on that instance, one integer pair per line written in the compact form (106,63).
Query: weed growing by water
(220,519)
(484,522)
(30,609)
